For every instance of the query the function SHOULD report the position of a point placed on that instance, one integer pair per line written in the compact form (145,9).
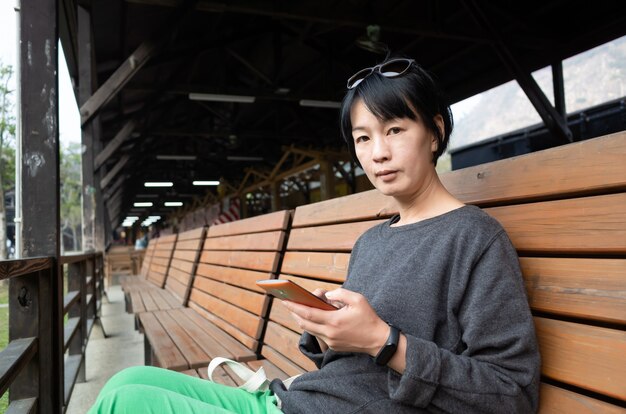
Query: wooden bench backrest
(234,256)
(565,211)
(184,262)
(147,259)
(161,258)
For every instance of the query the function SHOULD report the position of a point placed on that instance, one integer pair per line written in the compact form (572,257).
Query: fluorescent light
(173,203)
(176,157)
(320,104)
(243,158)
(212,97)
(158,184)
(144,204)
(206,183)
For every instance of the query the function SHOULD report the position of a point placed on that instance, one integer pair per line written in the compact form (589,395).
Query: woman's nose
(381,150)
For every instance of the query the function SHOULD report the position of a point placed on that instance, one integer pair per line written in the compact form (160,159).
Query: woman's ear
(442,131)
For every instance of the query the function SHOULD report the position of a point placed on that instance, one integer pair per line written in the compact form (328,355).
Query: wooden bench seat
(565,211)
(226,310)
(177,281)
(126,282)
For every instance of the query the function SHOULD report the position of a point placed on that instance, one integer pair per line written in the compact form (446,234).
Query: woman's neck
(431,201)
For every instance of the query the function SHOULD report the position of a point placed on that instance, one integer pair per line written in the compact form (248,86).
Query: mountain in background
(591,78)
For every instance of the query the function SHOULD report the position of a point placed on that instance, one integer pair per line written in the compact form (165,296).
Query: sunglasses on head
(389,69)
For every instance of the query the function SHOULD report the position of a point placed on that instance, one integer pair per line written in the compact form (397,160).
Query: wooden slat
(336,237)
(262,261)
(167,353)
(180,275)
(193,234)
(182,265)
(248,300)
(191,373)
(176,288)
(586,167)
(148,303)
(281,362)
(157,298)
(266,222)
(270,241)
(186,255)
(286,341)
(136,302)
(23,406)
(580,225)
(212,347)
(555,400)
(14,358)
(584,288)
(246,322)
(328,266)
(194,355)
(281,315)
(234,276)
(160,261)
(187,244)
(167,296)
(201,318)
(585,356)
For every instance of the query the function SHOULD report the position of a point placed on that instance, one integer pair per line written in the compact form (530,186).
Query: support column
(327,180)
(40,193)
(275,193)
(85,70)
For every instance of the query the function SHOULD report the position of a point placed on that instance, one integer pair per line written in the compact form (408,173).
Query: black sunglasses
(389,69)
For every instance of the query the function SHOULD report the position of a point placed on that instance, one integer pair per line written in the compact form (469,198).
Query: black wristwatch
(390,347)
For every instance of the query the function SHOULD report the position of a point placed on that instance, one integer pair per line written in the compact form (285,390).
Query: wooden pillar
(327,180)
(40,200)
(275,193)
(85,70)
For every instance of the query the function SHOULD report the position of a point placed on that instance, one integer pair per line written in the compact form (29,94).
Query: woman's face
(396,155)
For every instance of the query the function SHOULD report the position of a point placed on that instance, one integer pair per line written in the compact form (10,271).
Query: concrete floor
(106,356)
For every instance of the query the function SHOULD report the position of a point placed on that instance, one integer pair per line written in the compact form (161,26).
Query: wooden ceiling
(283,52)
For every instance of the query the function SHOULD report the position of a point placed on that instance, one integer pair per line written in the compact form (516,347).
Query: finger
(308,313)
(320,293)
(345,296)
(309,326)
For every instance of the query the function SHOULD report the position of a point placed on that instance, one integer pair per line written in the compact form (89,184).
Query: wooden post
(327,180)
(85,83)
(40,201)
(275,193)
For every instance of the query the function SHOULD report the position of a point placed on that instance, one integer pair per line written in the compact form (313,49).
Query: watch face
(390,347)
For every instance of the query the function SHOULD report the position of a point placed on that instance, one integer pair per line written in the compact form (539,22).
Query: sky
(69,118)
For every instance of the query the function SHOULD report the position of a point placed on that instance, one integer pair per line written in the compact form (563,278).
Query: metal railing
(53,305)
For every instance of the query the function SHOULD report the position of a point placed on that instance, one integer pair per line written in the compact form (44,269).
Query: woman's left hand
(354,328)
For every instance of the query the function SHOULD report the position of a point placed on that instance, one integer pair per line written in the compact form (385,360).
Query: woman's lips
(387,175)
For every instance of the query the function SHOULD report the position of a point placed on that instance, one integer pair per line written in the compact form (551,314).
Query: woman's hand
(355,327)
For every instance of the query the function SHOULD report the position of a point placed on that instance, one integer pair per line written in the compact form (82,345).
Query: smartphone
(286,289)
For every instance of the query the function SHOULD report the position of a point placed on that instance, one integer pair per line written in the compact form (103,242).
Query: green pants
(156,390)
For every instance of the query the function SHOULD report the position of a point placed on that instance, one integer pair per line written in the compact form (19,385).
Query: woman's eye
(394,131)
(362,138)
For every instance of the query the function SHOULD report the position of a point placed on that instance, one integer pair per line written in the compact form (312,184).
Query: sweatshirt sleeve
(311,348)
(497,367)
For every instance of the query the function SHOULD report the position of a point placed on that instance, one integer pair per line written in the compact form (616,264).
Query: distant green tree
(71,202)
(7,152)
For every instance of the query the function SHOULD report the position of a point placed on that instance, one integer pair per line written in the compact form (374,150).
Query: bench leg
(147,351)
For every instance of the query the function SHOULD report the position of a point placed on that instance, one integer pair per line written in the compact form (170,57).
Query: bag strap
(253,381)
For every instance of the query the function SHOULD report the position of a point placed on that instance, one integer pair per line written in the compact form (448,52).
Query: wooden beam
(555,123)
(118,79)
(116,185)
(254,10)
(114,171)
(129,68)
(115,143)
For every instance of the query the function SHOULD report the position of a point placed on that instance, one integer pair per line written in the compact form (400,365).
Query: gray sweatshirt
(453,286)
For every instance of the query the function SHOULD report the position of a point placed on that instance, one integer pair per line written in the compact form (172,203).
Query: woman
(433,317)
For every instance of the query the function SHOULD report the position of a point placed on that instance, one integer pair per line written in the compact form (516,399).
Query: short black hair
(414,93)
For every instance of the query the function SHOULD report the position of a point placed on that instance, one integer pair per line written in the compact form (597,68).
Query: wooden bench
(226,310)
(565,211)
(118,260)
(127,282)
(173,290)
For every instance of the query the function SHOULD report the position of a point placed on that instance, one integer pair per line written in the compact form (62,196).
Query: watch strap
(389,349)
